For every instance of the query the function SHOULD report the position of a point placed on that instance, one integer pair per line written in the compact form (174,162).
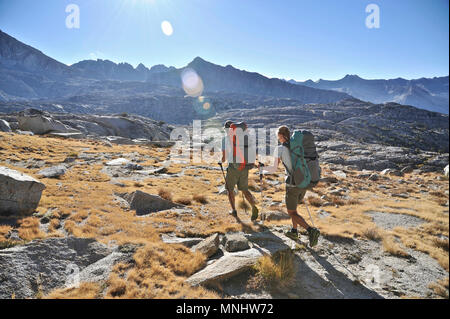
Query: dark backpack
(311,157)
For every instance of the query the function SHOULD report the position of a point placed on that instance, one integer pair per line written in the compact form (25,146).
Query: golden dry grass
(200,199)
(391,247)
(315,201)
(159,273)
(337,201)
(277,270)
(438,194)
(373,234)
(165,193)
(440,288)
(353,201)
(441,243)
(84,291)
(29,229)
(442,201)
(4,230)
(183,201)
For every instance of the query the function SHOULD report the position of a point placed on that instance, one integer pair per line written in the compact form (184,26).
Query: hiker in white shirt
(294,195)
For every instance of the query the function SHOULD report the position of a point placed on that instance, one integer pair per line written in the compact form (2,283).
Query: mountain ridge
(426,93)
(52,79)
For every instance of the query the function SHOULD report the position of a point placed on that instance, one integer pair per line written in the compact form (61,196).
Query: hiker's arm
(223,150)
(223,156)
(272,169)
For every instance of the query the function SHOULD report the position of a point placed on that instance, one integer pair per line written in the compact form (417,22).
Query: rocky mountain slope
(353,120)
(119,128)
(349,120)
(16,55)
(424,93)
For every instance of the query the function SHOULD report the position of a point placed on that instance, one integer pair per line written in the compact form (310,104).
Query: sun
(167,28)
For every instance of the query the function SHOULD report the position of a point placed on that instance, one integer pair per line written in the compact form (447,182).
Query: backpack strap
(236,149)
(299,158)
(287,145)
(290,174)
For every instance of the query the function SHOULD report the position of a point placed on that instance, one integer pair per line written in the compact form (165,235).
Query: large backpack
(305,160)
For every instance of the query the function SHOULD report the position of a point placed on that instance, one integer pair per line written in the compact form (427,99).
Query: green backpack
(305,160)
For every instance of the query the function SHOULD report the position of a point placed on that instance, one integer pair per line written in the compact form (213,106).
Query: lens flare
(192,83)
(166,28)
(203,107)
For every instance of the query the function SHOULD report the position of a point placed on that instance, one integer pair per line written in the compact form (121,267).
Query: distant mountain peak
(105,61)
(198,59)
(159,68)
(141,67)
(198,62)
(351,77)
(124,63)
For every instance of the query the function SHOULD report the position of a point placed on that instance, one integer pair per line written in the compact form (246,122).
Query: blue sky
(300,39)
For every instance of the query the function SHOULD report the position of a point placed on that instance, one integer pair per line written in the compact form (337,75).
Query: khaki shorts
(294,195)
(237,177)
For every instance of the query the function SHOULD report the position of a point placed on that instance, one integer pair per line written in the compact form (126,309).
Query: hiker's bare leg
(232,200)
(297,219)
(291,214)
(249,197)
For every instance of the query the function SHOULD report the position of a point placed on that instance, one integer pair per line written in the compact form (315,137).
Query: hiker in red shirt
(238,152)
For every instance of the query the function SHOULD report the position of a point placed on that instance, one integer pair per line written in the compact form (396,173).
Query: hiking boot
(254,213)
(292,234)
(313,234)
(233,213)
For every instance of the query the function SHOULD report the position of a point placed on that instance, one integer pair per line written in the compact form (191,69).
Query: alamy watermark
(206,145)
(373,19)
(73,17)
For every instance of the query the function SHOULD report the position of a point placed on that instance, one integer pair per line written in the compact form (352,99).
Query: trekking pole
(223,174)
(221,168)
(263,217)
(306,205)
